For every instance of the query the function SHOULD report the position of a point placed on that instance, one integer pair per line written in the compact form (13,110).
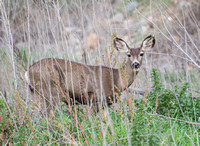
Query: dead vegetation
(75,28)
(81,31)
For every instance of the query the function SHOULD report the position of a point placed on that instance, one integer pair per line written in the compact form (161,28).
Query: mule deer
(84,84)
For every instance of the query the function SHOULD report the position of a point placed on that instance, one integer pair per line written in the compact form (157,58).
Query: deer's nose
(136,65)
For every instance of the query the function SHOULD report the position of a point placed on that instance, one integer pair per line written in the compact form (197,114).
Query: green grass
(18,125)
(160,131)
(142,127)
(155,121)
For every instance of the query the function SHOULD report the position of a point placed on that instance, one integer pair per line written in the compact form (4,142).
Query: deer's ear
(120,45)
(148,43)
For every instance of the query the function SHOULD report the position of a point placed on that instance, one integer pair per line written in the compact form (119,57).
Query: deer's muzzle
(135,65)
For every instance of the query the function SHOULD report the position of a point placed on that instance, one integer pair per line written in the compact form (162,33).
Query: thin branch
(9,111)
(169,118)
(7,27)
(175,94)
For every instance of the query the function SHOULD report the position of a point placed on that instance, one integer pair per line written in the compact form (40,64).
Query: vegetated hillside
(168,109)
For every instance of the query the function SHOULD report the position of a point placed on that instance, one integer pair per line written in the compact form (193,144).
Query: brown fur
(82,83)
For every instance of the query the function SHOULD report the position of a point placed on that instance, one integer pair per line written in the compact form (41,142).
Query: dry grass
(31,30)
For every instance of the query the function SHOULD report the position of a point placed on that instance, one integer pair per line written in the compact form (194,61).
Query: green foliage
(140,128)
(137,128)
(167,99)
(151,130)
(6,127)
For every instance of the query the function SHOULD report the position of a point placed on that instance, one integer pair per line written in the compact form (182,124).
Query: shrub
(168,99)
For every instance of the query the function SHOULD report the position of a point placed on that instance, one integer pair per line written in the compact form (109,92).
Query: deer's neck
(125,76)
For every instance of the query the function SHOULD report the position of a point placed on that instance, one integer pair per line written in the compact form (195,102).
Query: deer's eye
(129,55)
(141,54)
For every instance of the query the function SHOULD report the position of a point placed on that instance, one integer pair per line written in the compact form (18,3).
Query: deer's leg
(67,98)
(93,102)
(91,97)
(50,95)
(40,95)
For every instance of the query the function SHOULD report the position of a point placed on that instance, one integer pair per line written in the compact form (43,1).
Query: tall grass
(145,125)
(166,112)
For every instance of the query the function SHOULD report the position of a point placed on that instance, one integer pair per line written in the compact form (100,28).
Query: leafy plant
(171,102)
(6,125)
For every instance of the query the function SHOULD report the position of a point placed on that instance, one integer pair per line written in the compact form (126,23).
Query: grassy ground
(156,119)
(168,115)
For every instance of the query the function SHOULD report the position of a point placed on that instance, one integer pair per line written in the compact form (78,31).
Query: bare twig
(175,94)
(169,118)
(6,23)
(138,91)
(9,111)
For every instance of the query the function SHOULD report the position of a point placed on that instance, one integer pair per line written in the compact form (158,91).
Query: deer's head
(134,54)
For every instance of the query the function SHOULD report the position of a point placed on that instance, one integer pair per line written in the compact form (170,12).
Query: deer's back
(74,78)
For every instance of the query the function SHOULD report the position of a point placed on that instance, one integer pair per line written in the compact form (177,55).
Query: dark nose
(136,65)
